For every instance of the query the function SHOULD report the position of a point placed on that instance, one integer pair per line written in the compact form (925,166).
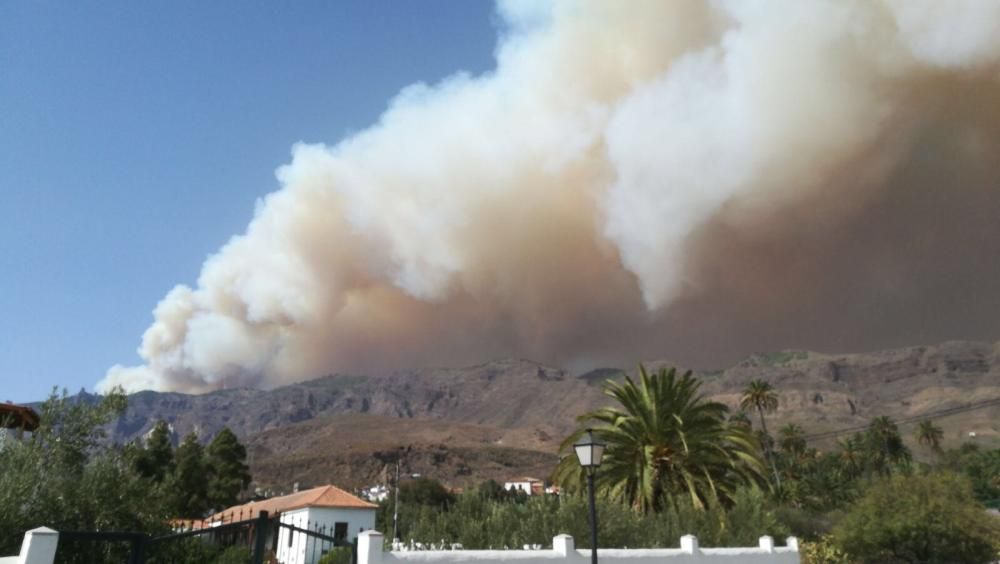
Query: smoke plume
(688,179)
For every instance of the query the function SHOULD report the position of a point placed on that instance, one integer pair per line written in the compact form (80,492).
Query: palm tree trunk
(767,447)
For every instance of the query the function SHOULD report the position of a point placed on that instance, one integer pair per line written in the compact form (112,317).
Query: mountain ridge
(450,413)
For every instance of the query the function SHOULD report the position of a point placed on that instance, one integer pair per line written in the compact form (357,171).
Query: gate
(196,545)
(257,538)
(309,544)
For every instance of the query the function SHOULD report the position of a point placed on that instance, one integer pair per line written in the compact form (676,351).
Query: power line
(907,420)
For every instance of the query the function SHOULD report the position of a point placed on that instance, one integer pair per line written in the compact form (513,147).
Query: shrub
(477,522)
(821,551)
(338,555)
(929,519)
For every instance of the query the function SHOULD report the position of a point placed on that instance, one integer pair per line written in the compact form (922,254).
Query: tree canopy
(228,472)
(663,441)
(929,519)
(66,476)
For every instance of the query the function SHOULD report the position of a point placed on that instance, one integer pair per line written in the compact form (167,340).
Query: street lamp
(589,452)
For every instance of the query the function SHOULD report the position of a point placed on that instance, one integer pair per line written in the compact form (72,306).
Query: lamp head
(589,451)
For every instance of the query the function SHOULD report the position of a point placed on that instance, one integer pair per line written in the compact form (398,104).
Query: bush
(478,522)
(338,555)
(821,551)
(929,519)
(234,555)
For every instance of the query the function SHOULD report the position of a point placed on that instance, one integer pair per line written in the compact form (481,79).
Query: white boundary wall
(564,552)
(38,547)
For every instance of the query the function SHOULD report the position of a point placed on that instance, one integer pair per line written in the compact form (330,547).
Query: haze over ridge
(685,179)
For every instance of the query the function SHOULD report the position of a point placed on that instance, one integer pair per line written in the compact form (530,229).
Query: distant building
(375,493)
(17,422)
(530,486)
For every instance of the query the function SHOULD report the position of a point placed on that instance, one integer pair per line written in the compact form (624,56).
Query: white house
(530,486)
(375,493)
(326,509)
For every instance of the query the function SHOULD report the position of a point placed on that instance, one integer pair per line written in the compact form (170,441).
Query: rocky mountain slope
(457,420)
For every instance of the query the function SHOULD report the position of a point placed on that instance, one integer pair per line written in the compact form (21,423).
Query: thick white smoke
(634,178)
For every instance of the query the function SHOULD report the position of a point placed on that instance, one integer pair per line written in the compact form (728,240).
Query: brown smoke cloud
(685,179)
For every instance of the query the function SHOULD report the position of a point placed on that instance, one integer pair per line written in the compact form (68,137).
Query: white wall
(518,486)
(564,552)
(301,549)
(38,547)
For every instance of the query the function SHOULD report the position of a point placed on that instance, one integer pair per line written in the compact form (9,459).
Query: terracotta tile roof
(18,416)
(323,496)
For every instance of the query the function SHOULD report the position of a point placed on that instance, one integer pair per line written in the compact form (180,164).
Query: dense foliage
(864,500)
(665,441)
(477,519)
(676,464)
(931,518)
(228,473)
(68,477)
(982,467)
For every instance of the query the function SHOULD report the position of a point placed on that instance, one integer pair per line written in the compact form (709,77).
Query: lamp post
(589,452)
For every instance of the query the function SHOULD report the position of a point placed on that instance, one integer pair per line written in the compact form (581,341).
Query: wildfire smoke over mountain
(693,179)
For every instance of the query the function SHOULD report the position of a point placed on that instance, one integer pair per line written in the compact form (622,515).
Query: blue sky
(135,138)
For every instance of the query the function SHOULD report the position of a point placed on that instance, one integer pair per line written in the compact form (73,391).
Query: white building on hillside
(530,486)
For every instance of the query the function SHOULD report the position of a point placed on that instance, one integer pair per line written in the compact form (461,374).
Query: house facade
(342,523)
(327,510)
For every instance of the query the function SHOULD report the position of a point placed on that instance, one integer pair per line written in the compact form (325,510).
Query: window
(340,531)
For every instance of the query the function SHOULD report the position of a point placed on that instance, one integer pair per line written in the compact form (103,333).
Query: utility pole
(395,504)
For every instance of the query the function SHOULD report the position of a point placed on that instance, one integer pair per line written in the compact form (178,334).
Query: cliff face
(507,417)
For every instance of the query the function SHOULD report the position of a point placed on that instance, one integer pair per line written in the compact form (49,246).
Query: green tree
(884,447)
(760,396)
(929,435)
(228,472)
(982,467)
(425,491)
(67,477)
(156,459)
(188,484)
(919,518)
(665,440)
(852,455)
(416,496)
(984,472)
(741,418)
(491,490)
(792,440)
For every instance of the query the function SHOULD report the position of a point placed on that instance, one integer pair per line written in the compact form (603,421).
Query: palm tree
(884,445)
(852,455)
(663,440)
(742,419)
(760,395)
(929,435)
(792,439)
